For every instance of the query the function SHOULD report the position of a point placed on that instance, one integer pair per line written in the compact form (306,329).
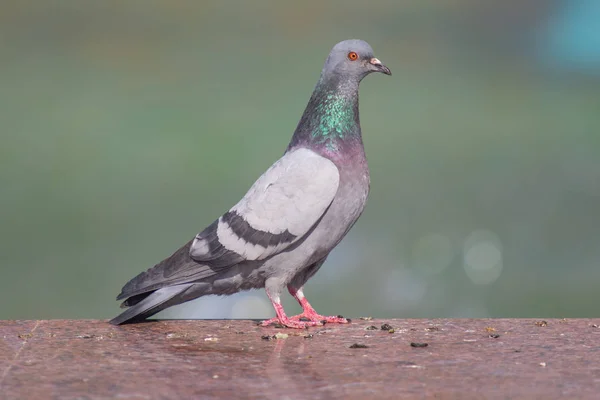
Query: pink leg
(283,319)
(309,312)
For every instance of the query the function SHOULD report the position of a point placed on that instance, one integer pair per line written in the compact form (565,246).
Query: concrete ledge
(463,358)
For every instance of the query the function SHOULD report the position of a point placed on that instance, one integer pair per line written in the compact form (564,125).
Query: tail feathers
(145,306)
(133,300)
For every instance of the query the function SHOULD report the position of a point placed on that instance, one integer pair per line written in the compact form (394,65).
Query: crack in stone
(17,354)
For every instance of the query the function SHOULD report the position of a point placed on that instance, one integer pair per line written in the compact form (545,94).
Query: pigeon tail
(151,304)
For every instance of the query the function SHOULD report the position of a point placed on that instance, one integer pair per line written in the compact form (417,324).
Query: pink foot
(309,316)
(292,322)
(306,321)
(271,321)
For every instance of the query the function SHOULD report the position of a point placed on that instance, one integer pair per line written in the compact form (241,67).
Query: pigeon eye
(352,56)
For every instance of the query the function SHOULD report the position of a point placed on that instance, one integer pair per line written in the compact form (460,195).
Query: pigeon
(281,232)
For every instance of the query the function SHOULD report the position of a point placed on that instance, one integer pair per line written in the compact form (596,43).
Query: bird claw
(304,320)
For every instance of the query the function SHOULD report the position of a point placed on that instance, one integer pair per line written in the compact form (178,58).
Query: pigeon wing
(278,210)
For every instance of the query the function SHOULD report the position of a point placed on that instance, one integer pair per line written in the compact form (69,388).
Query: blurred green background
(127,127)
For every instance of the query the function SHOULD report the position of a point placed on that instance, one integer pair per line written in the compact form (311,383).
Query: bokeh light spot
(482,255)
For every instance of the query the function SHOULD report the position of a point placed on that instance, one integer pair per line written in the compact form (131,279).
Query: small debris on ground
(176,335)
(86,336)
(542,364)
(392,330)
(309,336)
(494,336)
(359,346)
(405,363)
(416,344)
(371,328)
(386,327)
(239,332)
(541,323)
(594,325)
(432,329)
(366,318)
(24,336)
(278,335)
(490,329)
(342,317)
(211,339)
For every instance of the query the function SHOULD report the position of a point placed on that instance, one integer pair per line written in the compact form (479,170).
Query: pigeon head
(352,60)
(330,123)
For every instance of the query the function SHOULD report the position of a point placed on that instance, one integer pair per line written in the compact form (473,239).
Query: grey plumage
(281,231)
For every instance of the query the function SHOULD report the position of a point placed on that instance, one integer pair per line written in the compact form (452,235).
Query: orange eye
(352,56)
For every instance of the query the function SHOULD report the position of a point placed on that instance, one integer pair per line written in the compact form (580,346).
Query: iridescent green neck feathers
(330,119)
(334,117)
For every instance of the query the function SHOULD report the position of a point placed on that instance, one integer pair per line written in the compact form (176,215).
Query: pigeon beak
(379,67)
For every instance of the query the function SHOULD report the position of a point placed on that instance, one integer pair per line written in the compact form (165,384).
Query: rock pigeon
(280,233)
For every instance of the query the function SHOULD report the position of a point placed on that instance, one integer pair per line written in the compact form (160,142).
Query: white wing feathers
(279,209)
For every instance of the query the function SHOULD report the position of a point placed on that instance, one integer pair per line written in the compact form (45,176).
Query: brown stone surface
(463,359)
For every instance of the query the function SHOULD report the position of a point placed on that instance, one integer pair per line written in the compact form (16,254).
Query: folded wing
(278,210)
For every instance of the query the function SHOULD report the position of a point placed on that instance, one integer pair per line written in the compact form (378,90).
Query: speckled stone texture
(449,358)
